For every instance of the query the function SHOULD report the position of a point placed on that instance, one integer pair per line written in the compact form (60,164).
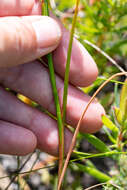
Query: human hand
(22,40)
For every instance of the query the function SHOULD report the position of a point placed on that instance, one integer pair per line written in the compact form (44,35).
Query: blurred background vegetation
(104,24)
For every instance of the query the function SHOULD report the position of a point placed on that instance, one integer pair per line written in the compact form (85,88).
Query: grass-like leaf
(123,99)
(66,78)
(109,124)
(96,142)
(101,155)
(94,172)
(111,138)
(56,97)
(116,94)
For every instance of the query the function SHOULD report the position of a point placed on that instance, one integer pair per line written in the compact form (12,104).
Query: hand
(22,40)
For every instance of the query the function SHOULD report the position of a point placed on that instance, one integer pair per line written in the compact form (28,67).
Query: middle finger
(32,80)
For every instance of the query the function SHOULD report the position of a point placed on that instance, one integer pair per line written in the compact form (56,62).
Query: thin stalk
(66,78)
(56,99)
(28,172)
(104,54)
(79,124)
(37,157)
(81,153)
(18,166)
(101,184)
(116,95)
(102,155)
(17,173)
(113,81)
(97,185)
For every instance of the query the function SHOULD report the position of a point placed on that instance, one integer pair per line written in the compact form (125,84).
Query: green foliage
(94,172)
(103,23)
(97,143)
(63,5)
(119,179)
(109,124)
(123,101)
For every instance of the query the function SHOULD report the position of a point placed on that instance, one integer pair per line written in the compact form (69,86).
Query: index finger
(83,70)
(20,7)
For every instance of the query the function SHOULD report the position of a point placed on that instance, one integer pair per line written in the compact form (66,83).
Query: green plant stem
(106,154)
(66,79)
(56,98)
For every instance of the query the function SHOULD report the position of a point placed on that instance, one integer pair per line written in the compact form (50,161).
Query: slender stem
(100,184)
(28,172)
(104,54)
(17,173)
(56,100)
(106,154)
(66,79)
(37,157)
(18,166)
(97,185)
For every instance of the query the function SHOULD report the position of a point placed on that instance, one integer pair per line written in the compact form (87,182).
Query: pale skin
(24,38)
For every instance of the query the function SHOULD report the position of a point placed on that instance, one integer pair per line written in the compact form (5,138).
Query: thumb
(24,39)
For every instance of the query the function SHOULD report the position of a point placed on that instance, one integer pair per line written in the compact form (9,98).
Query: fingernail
(48,32)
